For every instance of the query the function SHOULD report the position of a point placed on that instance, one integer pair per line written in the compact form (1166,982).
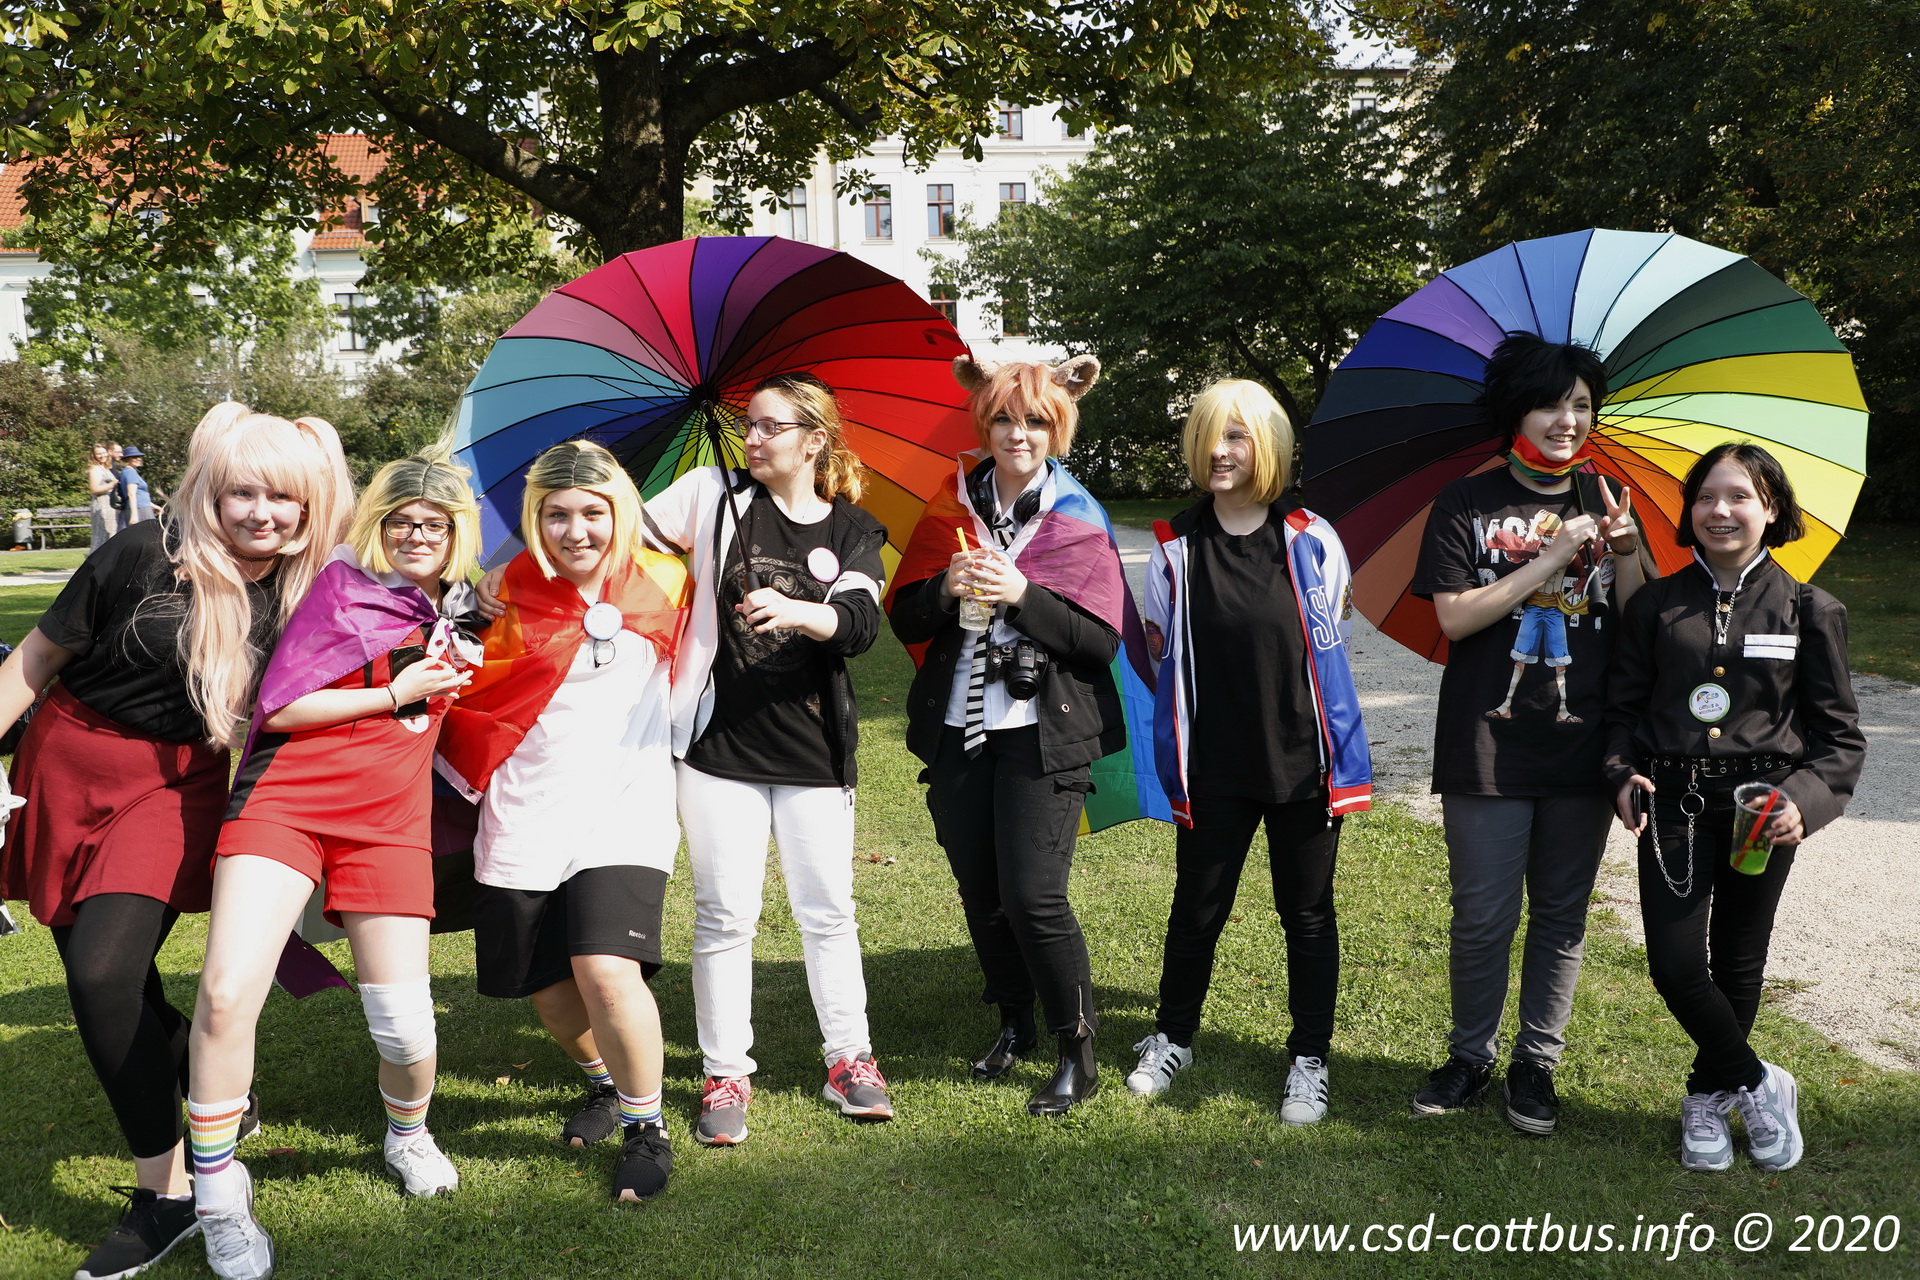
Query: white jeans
(727,824)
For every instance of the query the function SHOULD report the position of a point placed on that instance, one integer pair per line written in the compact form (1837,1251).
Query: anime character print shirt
(1521,701)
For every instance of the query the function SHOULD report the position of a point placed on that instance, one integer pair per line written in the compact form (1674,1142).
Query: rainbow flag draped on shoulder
(1072,553)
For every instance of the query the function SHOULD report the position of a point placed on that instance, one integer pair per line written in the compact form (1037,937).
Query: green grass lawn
(1875,572)
(12,562)
(1142,512)
(964,1183)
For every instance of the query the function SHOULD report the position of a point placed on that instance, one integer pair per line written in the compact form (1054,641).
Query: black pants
(136,1041)
(1707,952)
(1008,827)
(1208,858)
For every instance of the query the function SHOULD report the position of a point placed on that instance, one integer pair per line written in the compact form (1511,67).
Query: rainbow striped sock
(214,1129)
(643,1110)
(404,1119)
(597,1072)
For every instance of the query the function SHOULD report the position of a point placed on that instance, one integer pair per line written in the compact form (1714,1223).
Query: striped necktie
(1005,528)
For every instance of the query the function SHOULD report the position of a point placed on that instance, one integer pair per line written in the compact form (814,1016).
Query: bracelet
(394,696)
(1624,551)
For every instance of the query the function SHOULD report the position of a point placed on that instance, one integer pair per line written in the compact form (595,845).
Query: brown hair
(837,472)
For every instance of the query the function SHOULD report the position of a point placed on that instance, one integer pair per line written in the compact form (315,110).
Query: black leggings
(136,1041)
(1208,859)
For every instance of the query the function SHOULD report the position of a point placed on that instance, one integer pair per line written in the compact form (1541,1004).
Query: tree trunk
(642,169)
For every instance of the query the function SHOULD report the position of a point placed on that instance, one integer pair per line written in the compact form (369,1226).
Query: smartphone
(1642,806)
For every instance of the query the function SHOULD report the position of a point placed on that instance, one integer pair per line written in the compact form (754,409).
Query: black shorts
(524,940)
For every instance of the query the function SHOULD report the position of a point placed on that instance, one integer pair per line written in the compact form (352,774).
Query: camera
(1020,665)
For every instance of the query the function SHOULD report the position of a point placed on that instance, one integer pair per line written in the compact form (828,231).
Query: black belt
(1722,766)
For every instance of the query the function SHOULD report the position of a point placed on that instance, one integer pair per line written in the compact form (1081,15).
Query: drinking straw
(1760,823)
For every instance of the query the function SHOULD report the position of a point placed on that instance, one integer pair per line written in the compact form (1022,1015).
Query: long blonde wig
(580,464)
(420,478)
(234,446)
(837,471)
(1269,432)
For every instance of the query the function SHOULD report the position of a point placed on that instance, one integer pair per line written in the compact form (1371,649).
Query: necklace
(1723,612)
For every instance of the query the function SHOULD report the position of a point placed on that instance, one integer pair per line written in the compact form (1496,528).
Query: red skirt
(110,810)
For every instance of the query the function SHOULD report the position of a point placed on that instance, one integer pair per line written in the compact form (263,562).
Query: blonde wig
(580,464)
(837,471)
(1051,391)
(235,446)
(420,478)
(1269,433)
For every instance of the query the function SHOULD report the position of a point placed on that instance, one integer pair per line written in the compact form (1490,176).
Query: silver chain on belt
(1692,804)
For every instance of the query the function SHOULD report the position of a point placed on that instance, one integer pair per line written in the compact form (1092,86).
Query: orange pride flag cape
(530,648)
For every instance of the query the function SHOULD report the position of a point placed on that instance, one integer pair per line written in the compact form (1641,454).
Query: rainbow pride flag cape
(1072,552)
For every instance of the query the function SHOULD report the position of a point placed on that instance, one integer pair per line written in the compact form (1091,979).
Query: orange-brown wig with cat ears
(1051,391)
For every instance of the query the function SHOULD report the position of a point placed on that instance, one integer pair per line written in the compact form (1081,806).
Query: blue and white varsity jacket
(1322,587)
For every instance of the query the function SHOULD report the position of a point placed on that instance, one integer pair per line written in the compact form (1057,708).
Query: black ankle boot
(1016,1040)
(1076,1079)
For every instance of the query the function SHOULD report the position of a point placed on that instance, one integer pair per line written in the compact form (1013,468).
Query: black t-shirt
(1492,738)
(1254,731)
(771,691)
(120,614)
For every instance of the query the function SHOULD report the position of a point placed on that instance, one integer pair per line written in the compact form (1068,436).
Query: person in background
(1527,566)
(101,483)
(157,641)
(1255,720)
(133,486)
(1725,673)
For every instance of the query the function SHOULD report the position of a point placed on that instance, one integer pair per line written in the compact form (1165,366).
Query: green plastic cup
(1754,804)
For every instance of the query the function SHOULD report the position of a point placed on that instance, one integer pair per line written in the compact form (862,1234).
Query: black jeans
(1008,827)
(136,1041)
(1208,859)
(1707,952)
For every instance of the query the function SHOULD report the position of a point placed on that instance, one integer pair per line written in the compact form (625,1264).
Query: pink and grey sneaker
(856,1086)
(723,1111)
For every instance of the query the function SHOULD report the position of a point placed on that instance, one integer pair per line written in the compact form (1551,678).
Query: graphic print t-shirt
(770,691)
(1481,529)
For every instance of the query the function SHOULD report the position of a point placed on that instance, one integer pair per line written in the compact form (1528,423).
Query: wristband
(1624,551)
(394,696)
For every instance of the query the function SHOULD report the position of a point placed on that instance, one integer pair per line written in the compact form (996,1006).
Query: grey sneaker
(723,1111)
(237,1247)
(416,1160)
(1706,1140)
(1771,1112)
(1306,1092)
(856,1086)
(1160,1060)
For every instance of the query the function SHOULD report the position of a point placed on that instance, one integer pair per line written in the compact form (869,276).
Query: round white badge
(603,621)
(1709,702)
(823,564)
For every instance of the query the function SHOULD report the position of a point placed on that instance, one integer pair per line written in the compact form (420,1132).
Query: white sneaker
(1160,1060)
(237,1247)
(1306,1100)
(1706,1140)
(1771,1112)
(417,1162)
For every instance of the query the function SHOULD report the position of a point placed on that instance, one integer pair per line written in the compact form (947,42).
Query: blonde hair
(1037,390)
(420,478)
(580,464)
(837,471)
(1269,432)
(232,446)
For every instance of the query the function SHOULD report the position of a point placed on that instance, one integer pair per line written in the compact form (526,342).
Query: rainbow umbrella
(1701,346)
(654,355)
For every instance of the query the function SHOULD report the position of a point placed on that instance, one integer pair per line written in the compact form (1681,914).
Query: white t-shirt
(592,783)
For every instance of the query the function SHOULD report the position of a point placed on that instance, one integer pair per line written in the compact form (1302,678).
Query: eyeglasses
(429,530)
(764,428)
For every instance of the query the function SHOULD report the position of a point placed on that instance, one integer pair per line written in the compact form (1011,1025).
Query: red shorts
(376,879)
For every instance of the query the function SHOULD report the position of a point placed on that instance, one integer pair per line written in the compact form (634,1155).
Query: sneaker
(1160,1060)
(1453,1086)
(1771,1112)
(237,1247)
(646,1162)
(1706,1139)
(857,1088)
(1306,1101)
(1532,1105)
(416,1160)
(723,1111)
(597,1118)
(150,1228)
(249,1119)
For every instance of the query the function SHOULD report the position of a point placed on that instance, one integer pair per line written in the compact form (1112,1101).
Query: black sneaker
(250,1118)
(598,1117)
(148,1231)
(646,1161)
(1455,1086)
(1532,1105)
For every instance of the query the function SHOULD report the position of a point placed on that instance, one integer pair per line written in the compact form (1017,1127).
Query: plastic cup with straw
(975,614)
(1753,806)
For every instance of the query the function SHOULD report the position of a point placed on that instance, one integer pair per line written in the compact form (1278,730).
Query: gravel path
(1846,945)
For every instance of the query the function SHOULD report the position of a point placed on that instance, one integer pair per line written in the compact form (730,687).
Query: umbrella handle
(726,496)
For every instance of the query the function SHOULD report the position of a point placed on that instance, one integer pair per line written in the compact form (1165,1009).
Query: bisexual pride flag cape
(1071,552)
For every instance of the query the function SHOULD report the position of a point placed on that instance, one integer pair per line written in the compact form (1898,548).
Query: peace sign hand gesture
(1618,522)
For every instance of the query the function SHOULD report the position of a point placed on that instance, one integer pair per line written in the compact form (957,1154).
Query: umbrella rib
(665,357)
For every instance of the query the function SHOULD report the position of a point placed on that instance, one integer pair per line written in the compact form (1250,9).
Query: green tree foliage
(1259,246)
(45,437)
(596,112)
(1785,129)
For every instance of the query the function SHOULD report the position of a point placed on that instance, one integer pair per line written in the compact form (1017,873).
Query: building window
(1365,102)
(880,213)
(939,210)
(1067,132)
(1009,120)
(1012,196)
(1013,316)
(946,304)
(346,308)
(793,214)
